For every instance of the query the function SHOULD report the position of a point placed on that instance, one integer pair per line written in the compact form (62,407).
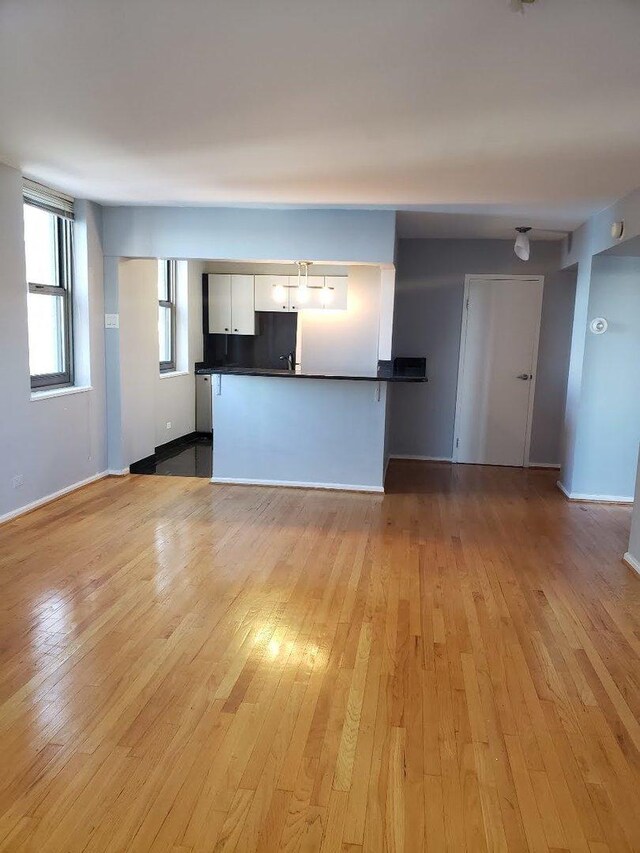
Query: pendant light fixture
(522,246)
(303,282)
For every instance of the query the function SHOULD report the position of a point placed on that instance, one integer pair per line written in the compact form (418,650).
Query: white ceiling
(454,106)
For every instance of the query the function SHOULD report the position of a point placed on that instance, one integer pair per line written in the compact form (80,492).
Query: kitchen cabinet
(272,292)
(231,304)
(338,297)
(280,293)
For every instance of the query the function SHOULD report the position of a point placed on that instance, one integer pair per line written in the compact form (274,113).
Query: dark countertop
(385,373)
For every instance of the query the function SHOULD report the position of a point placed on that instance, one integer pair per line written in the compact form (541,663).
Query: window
(167,315)
(48,240)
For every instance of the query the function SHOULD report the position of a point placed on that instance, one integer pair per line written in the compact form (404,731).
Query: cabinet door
(219,303)
(292,293)
(337,299)
(314,294)
(271,293)
(243,317)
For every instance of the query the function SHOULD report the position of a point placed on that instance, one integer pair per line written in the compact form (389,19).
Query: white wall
(344,340)
(138,284)
(140,400)
(302,431)
(56,442)
(175,400)
(428,317)
(606,431)
(246,234)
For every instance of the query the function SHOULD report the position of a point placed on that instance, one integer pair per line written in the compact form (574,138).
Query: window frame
(64,290)
(171,270)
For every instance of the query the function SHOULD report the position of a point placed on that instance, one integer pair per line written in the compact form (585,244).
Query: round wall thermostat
(598,326)
(617,230)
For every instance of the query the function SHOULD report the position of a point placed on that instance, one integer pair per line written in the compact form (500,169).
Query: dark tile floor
(192,459)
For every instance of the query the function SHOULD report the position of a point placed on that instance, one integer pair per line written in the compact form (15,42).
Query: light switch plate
(112,321)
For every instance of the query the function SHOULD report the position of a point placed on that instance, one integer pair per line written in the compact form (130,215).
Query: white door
(499,347)
(219,303)
(243,318)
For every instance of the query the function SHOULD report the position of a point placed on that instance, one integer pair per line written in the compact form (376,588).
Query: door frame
(538,279)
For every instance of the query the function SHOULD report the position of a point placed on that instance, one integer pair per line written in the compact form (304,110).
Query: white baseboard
(421,458)
(594,499)
(339,487)
(114,473)
(631,561)
(52,497)
(544,465)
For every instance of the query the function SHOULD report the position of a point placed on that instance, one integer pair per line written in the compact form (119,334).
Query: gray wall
(300,431)
(56,442)
(245,234)
(634,540)
(607,428)
(580,248)
(427,321)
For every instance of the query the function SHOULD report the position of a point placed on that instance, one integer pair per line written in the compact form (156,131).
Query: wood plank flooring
(451,667)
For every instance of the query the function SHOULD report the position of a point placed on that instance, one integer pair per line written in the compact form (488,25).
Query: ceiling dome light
(522,246)
(518,5)
(617,230)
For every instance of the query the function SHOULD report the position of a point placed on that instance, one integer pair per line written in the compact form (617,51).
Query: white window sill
(47,393)
(170,375)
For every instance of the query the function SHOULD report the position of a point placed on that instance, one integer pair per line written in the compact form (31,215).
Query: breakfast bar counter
(290,428)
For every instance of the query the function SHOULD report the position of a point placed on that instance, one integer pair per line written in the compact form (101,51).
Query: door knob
(524,376)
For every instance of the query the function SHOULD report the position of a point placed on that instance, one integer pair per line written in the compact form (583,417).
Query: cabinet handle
(235,330)
(226,330)
(284,306)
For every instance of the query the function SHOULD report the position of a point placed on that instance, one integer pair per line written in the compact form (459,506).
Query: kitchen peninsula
(291,428)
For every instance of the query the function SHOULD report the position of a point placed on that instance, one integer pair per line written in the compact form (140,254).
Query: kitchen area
(252,319)
(292,375)
(289,323)
(290,388)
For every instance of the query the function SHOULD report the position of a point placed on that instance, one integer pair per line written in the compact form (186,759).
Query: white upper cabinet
(313,297)
(281,293)
(243,312)
(272,292)
(231,304)
(336,299)
(219,303)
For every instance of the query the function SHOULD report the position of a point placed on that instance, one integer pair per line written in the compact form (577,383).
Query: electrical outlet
(17,481)
(168,424)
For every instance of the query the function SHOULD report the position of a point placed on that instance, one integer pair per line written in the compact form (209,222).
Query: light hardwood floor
(188,667)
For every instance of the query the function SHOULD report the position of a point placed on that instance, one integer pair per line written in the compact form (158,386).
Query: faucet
(290,358)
